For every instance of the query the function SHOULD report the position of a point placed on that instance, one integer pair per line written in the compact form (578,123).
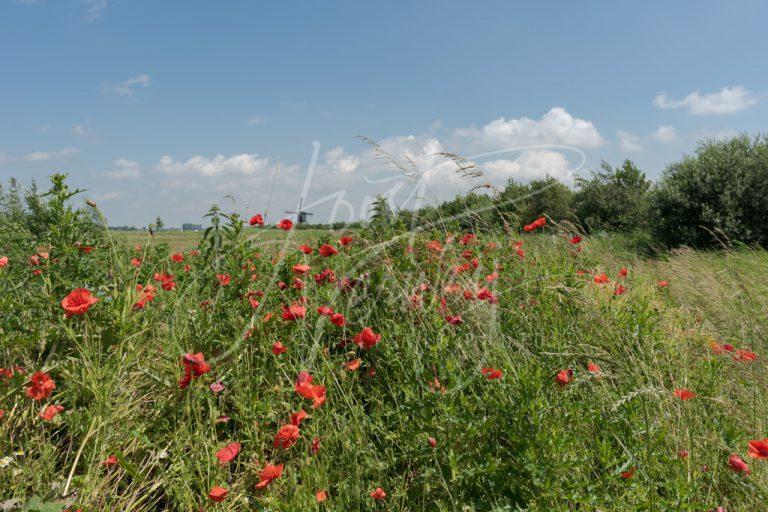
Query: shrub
(720,191)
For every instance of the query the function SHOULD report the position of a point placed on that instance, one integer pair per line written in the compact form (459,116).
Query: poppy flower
(326,276)
(758,448)
(325,310)
(454,319)
(378,494)
(563,377)
(285,224)
(684,394)
(301,269)
(575,240)
(136,262)
(51,412)
(294,312)
(623,272)
(3,261)
(78,302)
(492,373)
(663,284)
(601,278)
(218,494)
(110,462)
(467,239)
(278,348)
(305,249)
(217,387)
(744,355)
(41,385)
(327,250)
(321,496)
(737,464)
(619,290)
(166,281)
(353,364)
(286,436)
(298,417)
(338,319)
(315,449)
(146,294)
(432,442)
(593,368)
(256,220)
(485,294)
(228,453)
(194,366)
(224,279)
(434,246)
(629,473)
(177,257)
(306,389)
(367,338)
(268,474)
(345,240)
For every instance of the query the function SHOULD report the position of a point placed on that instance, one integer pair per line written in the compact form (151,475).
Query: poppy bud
(91,203)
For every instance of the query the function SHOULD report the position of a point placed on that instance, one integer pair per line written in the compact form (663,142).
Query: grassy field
(510,374)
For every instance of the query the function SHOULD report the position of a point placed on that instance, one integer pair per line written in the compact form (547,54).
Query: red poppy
(51,412)
(434,246)
(146,294)
(268,474)
(257,220)
(285,224)
(345,240)
(367,338)
(194,366)
(224,279)
(601,278)
(177,257)
(136,262)
(623,272)
(353,364)
(758,448)
(305,388)
(286,436)
(294,312)
(110,462)
(663,284)
(278,348)
(301,269)
(485,294)
(593,368)
(321,496)
(619,290)
(3,261)
(166,279)
(298,417)
(378,494)
(338,319)
(315,449)
(575,240)
(325,310)
(78,302)
(467,239)
(684,394)
(228,453)
(629,473)
(218,494)
(305,249)
(41,385)
(432,442)
(454,319)
(737,464)
(563,377)
(744,355)
(327,250)
(492,373)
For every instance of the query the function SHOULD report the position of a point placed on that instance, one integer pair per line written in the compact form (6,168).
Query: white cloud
(629,141)
(530,165)
(556,127)
(95,9)
(127,87)
(727,101)
(245,164)
(124,169)
(339,160)
(4,158)
(84,131)
(44,156)
(107,196)
(665,134)
(256,120)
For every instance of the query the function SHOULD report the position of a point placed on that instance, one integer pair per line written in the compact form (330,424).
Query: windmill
(301,215)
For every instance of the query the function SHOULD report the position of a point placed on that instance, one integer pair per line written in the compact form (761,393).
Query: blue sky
(162,108)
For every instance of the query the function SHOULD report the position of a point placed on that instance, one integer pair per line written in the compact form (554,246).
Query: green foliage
(613,199)
(719,193)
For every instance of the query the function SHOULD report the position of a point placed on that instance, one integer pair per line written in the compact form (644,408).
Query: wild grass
(521,442)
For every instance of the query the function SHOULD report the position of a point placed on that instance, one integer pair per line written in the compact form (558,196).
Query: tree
(613,199)
(721,190)
(159,224)
(381,213)
(547,197)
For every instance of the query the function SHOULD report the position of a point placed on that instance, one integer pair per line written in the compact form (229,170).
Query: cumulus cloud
(339,160)
(530,165)
(45,156)
(726,101)
(556,127)
(244,164)
(665,134)
(629,142)
(127,87)
(124,169)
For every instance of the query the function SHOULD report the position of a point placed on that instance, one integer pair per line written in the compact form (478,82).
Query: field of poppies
(437,371)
